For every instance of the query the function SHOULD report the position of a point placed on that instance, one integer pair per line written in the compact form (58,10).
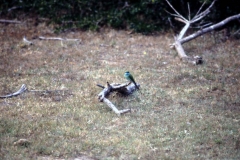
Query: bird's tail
(136,85)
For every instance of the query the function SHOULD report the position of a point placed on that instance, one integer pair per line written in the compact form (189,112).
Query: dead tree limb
(8,21)
(27,42)
(111,105)
(13,8)
(25,89)
(57,38)
(180,39)
(21,90)
(124,89)
(209,29)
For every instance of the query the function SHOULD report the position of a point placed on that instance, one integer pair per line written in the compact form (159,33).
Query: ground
(182,111)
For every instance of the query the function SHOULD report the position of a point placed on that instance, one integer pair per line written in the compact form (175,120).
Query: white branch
(57,38)
(8,21)
(179,15)
(198,16)
(183,31)
(111,105)
(180,20)
(179,49)
(13,8)
(176,15)
(27,41)
(199,10)
(124,89)
(209,29)
(189,12)
(178,39)
(21,90)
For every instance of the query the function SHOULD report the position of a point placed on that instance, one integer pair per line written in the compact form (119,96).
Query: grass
(184,111)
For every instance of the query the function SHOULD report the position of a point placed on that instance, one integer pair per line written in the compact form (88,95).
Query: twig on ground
(21,90)
(27,41)
(8,21)
(24,88)
(13,8)
(57,38)
(124,89)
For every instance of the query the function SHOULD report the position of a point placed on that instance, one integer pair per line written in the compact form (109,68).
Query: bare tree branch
(124,89)
(179,15)
(209,29)
(179,40)
(189,12)
(27,41)
(21,90)
(199,9)
(8,21)
(197,17)
(13,8)
(57,38)
(24,88)
(184,30)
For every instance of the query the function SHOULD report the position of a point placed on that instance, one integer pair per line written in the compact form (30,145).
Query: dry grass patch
(184,111)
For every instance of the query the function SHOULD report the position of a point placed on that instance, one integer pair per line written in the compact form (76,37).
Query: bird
(130,78)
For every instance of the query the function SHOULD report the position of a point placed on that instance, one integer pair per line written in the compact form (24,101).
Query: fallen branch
(24,88)
(13,8)
(180,39)
(21,90)
(111,105)
(57,38)
(124,89)
(209,29)
(8,21)
(27,41)
(194,60)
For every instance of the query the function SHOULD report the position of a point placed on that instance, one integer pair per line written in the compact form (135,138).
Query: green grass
(184,111)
